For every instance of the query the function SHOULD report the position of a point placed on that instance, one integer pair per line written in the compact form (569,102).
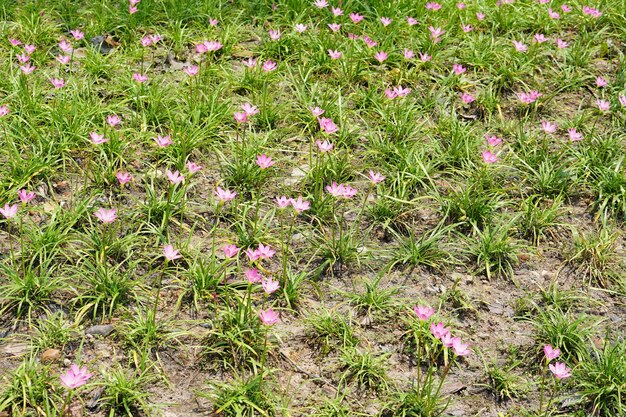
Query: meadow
(312,208)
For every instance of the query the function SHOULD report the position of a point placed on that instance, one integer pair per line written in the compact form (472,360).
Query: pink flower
(548,127)
(282,202)
(553,14)
(411,21)
(201,48)
(300,205)
(106,215)
(252,254)
(132,9)
(224,195)
(493,140)
(369,41)
(29,49)
(270,286)
(4,110)
(409,54)
(192,167)
(336,190)
(327,125)
(191,70)
(113,120)
(566,8)
(560,371)
(212,46)
(550,352)
(175,177)
(334,54)
(460,6)
(265,252)
(435,33)
(489,157)
(320,4)
(134,2)
(22,58)
(467,98)
(561,44)
(249,109)
(230,251)
(439,330)
(381,56)
(601,82)
(213,22)
(425,57)
(240,117)
(75,377)
(458,69)
(269,317)
(336,11)
(9,211)
(460,348)
(423,312)
(356,18)
(123,177)
(25,196)
(252,275)
(274,34)
(334,27)
(317,112)
(250,63)
(77,34)
(622,100)
(300,28)
(574,135)
(97,138)
(264,161)
(390,94)
(269,66)
(480,16)
(385,21)
(590,11)
(14,42)
(348,192)
(520,46)
(433,6)
(530,97)
(170,253)
(57,82)
(140,78)
(163,141)
(603,105)
(375,177)
(447,340)
(28,68)
(467,28)
(146,41)
(324,146)
(540,38)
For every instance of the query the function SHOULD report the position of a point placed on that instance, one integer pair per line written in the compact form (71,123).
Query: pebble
(50,356)
(100,329)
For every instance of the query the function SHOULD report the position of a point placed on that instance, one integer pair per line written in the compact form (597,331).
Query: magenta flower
(106,215)
(560,371)
(493,140)
(191,70)
(97,138)
(9,211)
(489,157)
(249,109)
(565,8)
(224,195)
(520,46)
(460,348)
(423,312)
(334,54)
(123,177)
(192,167)
(175,177)
(551,353)
(270,286)
(356,18)
(590,11)
(25,196)
(381,56)
(300,205)
(240,117)
(268,317)
(230,251)
(327,125)
(140,78)
(163,141)
(467,98)
(375,177)
(75,377)
(57,82)
(548,127)
(253,276)
(132,9)
(335,27)
(77,34)
(282,202)
(269,66)
(15,42)
(385,21)
(264,161)
(113,120)
(574,136)
(439,330)
(4,110)
(170,253)
(317,112)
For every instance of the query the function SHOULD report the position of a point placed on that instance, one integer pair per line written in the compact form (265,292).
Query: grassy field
(364,208)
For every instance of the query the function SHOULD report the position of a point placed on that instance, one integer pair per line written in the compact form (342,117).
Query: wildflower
(249,109)
(57,82)
(385,21)
(4,110)
(269,317)
(282,202)
(77,34)
(460,6)
(140,78)
(409,54)
(348,192)
(467,28)
(75,377)
(381,56)
(435,33)
(560,371)
(540,38)
(334,54)
(489,157)
(590,11)
(317,112)
(548,127)
(274,34)
(264,161)
(520,46)
(390,94)
(336,190)
(320,4)
(566,8)
(252,275)
(411,21)
(336,11)
(170,253)
(192,167)
(561,44)
(574,135)
(356,18)
(191,70)
(300,205)
(22,58)
(324,146)
(467,98)
(175,177)
(240,117)
(106,215)
(269,66)
(113,120)
(29,49)
(97,138)
(425,57)
(603,105)
(601,82)
(213,22)
(334,27)
(25,196)
(230,251)
(493,140)
(458,69)
(123,177)
(28,68)
(423,312)
(270,286)
(530,97)
(622,100)
(252,254)
(433,6)
(64,59)
(265,252)
(300,28)
(327,125)
(460,348)
(212,46)
(447,340)
(163,141)
(553,14)
(480,16)
(14,42)
(132,9)
(224,195)
(439,330)
(9,211)
(146,41)
(551,353)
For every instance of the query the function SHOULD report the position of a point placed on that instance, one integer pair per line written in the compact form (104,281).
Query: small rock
(50,356)
(100,329)
(15,349)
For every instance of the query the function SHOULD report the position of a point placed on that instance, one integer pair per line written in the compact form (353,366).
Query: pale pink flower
(146,41)
(132,9)
(230,251)
(551,353)
(29,49)
(97,138)
(439,330)
(336,190)
(467,98)
(401,91)
(334,27)
(75,377)
(317,112)
(348,192)
(553,14)
(480,16)
(601,82)
(324,146)
(253,276)
(520,46)
(134,2)
(540,38)
(224,195)
(425,57)
(170,253)
(423,312)
(269,317)
(113,120)
(433,6)
(385,21)
(460,348)
(282,202)
(28,68)
(25,196)
(300,205)
(250,62)
(336,11)
(573,135)
(240,117)
(590,11)
(57,82)
(548,127)
(123,177)
(409,54)
(201,48)
(447,340)
(560,371)
(369,41)
(22,58)
(381,56)
(4,110)
(106,215)
(156,38)
(9,211)
(565,8)
(64,59)
(163,141)
(265,252)
(493,140)
(191,70)
(603,105)
(249,109)
(264,161)
(489,157)
(390,94)
(175,177)
(213,22)
(192,167)
(460,6)
(375,177)
(467,28)
(15,42)
(212,46)
(327,125)
(270,286)
(274,34)
(411,21)
(269,66)
(561,44)
(435,33)
(140,78)
(458,69)
(334,54)
(300,28)
(320,4)
(77,34)
(356,18)
(530,97)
